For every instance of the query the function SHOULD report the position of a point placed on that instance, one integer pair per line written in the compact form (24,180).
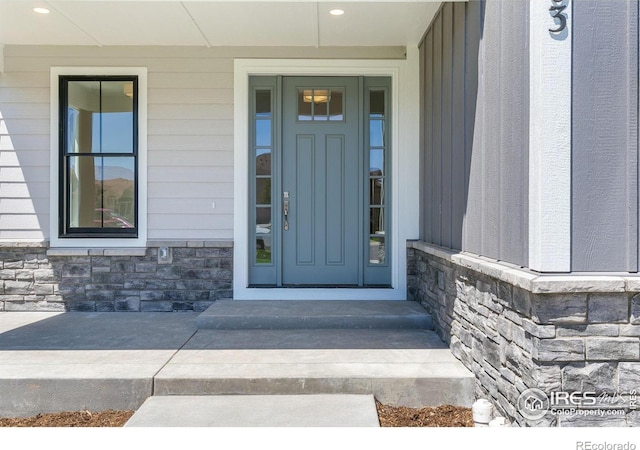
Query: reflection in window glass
(101,117)
(263,103)
(377,159)
(114,132)
(102,192)
(320,104)
(335,105)
(99,176)
(376,250)
(116,117)
(376,102)
(263,249)
(376,162)
(83,99)
(320,107)
(376,221)
(263,161)
(263,191)
(263,220)
(263,133)
(305,111)
(263,235)
(376,189)
(262,151)
(376,133)
(73,117)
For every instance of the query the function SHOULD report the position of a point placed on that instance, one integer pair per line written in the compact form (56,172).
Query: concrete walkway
(70,361)
(257,411)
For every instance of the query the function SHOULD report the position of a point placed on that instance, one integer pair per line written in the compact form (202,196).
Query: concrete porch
(69,361)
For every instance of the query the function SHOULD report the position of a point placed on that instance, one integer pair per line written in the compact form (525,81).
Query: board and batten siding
(475,129)
(605,136)
(190,132)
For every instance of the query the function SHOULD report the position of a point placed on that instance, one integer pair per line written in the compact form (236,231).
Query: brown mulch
(71,419)
(440,416)
(389,416)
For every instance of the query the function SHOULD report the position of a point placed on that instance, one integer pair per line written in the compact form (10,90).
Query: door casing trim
(404,179)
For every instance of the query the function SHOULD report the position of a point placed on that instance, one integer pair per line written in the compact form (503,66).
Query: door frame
(405,136)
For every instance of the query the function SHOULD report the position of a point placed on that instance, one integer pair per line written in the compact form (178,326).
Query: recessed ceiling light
(41,10)
(336,12)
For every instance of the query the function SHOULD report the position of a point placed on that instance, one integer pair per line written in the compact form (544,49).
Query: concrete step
(310,314)
(72,361)
(257,411)
(399,367)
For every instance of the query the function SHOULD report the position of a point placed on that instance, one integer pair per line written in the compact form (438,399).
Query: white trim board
(404,172)
(141,240)
(549,141)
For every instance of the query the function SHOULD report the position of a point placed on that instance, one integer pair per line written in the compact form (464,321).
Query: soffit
(214,23)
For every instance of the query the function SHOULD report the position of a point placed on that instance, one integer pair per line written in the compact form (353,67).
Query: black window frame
(64,194)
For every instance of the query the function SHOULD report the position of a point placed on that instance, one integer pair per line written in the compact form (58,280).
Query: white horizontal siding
(25,111)
(21,235)
(172,174)
(178,96)
(21,222)
(22,143)
(191,143)
(200,128)
(24,174)
(179,206)
(24,95)
(188,191)
(198,159)
(190,111)
(189,140)
(26,158)
(195,221)
(213,234)
(178,80)
(24,79)
(24,126)
(19,206)
(21,190)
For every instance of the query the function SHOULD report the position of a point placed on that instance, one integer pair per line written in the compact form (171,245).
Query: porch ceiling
(214,23)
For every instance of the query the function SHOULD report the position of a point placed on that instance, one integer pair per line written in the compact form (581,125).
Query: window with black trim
(98,156)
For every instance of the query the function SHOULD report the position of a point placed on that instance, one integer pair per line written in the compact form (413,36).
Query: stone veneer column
(517,330)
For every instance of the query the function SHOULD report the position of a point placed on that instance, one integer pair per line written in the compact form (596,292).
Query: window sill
(97,252)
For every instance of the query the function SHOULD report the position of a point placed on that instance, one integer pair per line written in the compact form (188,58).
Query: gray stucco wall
(474,129)
(605,136)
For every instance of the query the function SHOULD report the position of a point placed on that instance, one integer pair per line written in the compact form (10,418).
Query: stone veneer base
(518,330)
(34,277)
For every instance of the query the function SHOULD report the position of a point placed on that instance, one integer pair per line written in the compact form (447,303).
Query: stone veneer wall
(517,330)
(36,278)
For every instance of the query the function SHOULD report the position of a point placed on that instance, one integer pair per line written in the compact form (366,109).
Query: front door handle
(285,210)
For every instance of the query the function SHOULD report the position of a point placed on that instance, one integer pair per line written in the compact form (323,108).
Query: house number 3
(557,12)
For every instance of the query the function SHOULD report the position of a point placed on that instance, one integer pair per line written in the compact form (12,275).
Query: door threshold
(324,293)
(315,286)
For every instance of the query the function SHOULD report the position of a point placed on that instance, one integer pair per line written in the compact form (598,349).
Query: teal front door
(321,181)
